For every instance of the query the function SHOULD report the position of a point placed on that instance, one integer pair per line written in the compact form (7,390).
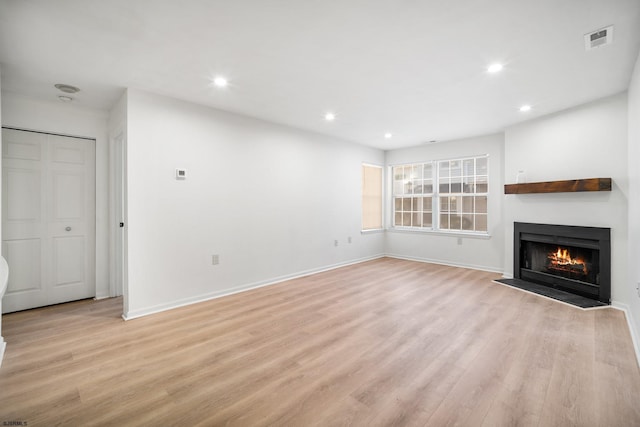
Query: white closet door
(48,221)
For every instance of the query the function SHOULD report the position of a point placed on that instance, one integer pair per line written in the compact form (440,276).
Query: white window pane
(426,220)
(467,204)
(443,169)
(481,222)
(416,219)
(455,168)
(416,204)
(482,184)
(444,221)
(444,204)
(467,222)
(456,185)
(406,204)
(443,187)
(427,204)
(406,219)
(468,184)
(481,204)
(398,204)
(455,222)
(397,188)
(416,172)
(481,166)
(408,187)
(454,204)
(428,171)
(468,168)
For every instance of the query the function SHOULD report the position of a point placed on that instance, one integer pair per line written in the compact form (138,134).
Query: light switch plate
(181,174)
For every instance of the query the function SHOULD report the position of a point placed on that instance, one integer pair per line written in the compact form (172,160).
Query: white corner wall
(587,141)
(268,199)
(69,119)
(633,308)
(484,253)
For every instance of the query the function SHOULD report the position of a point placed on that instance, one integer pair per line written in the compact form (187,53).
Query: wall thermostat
(181,173)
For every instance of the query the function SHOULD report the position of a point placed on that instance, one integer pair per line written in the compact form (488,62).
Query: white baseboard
(635,338)
(237,289)
(450,264)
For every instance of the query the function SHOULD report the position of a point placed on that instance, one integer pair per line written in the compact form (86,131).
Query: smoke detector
(598,38)
(67,88)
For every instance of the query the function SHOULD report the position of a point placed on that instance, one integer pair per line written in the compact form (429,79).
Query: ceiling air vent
(598,38)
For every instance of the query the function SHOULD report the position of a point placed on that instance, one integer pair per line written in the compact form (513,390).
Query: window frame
(412,203)
(436,205)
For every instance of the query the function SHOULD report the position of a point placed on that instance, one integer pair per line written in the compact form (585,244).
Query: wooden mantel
(568,186)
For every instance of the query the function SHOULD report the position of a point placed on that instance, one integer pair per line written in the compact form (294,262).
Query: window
(371,197)
(413,195)
(457,203)
(463,187)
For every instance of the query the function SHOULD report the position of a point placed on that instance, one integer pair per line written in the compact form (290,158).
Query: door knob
(67,228)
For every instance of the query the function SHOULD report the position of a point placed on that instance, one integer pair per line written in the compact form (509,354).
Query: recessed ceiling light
(388,135)
(329,117)
(220,81)
(494,68)
(66,88)
(525,108)
(64,98)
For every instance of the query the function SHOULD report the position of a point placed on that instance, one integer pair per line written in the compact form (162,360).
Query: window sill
(483,236)
(374,231)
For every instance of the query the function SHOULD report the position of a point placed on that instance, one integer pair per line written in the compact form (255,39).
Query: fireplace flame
(561,260)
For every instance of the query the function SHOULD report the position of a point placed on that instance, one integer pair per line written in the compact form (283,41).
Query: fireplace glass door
(565,261)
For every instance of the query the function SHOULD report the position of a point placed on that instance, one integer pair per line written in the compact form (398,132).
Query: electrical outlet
(459,240)
(349,239)
(335,243)
(215,259)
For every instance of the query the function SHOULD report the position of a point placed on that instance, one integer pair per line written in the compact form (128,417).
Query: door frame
(118,282)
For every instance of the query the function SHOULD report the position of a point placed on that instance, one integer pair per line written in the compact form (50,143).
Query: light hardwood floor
(382,343)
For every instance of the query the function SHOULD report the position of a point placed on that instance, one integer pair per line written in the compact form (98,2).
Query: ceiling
(414,68)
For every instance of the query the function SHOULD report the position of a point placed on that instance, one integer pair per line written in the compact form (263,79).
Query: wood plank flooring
(382,343)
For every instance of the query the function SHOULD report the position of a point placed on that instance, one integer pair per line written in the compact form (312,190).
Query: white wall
(268,199)
(484,253)
(68,119)
(587,141)
(633,310)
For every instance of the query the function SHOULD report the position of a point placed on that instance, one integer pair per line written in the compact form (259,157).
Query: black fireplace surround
(570,258)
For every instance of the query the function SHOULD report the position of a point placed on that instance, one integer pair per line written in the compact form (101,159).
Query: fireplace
(569,258)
